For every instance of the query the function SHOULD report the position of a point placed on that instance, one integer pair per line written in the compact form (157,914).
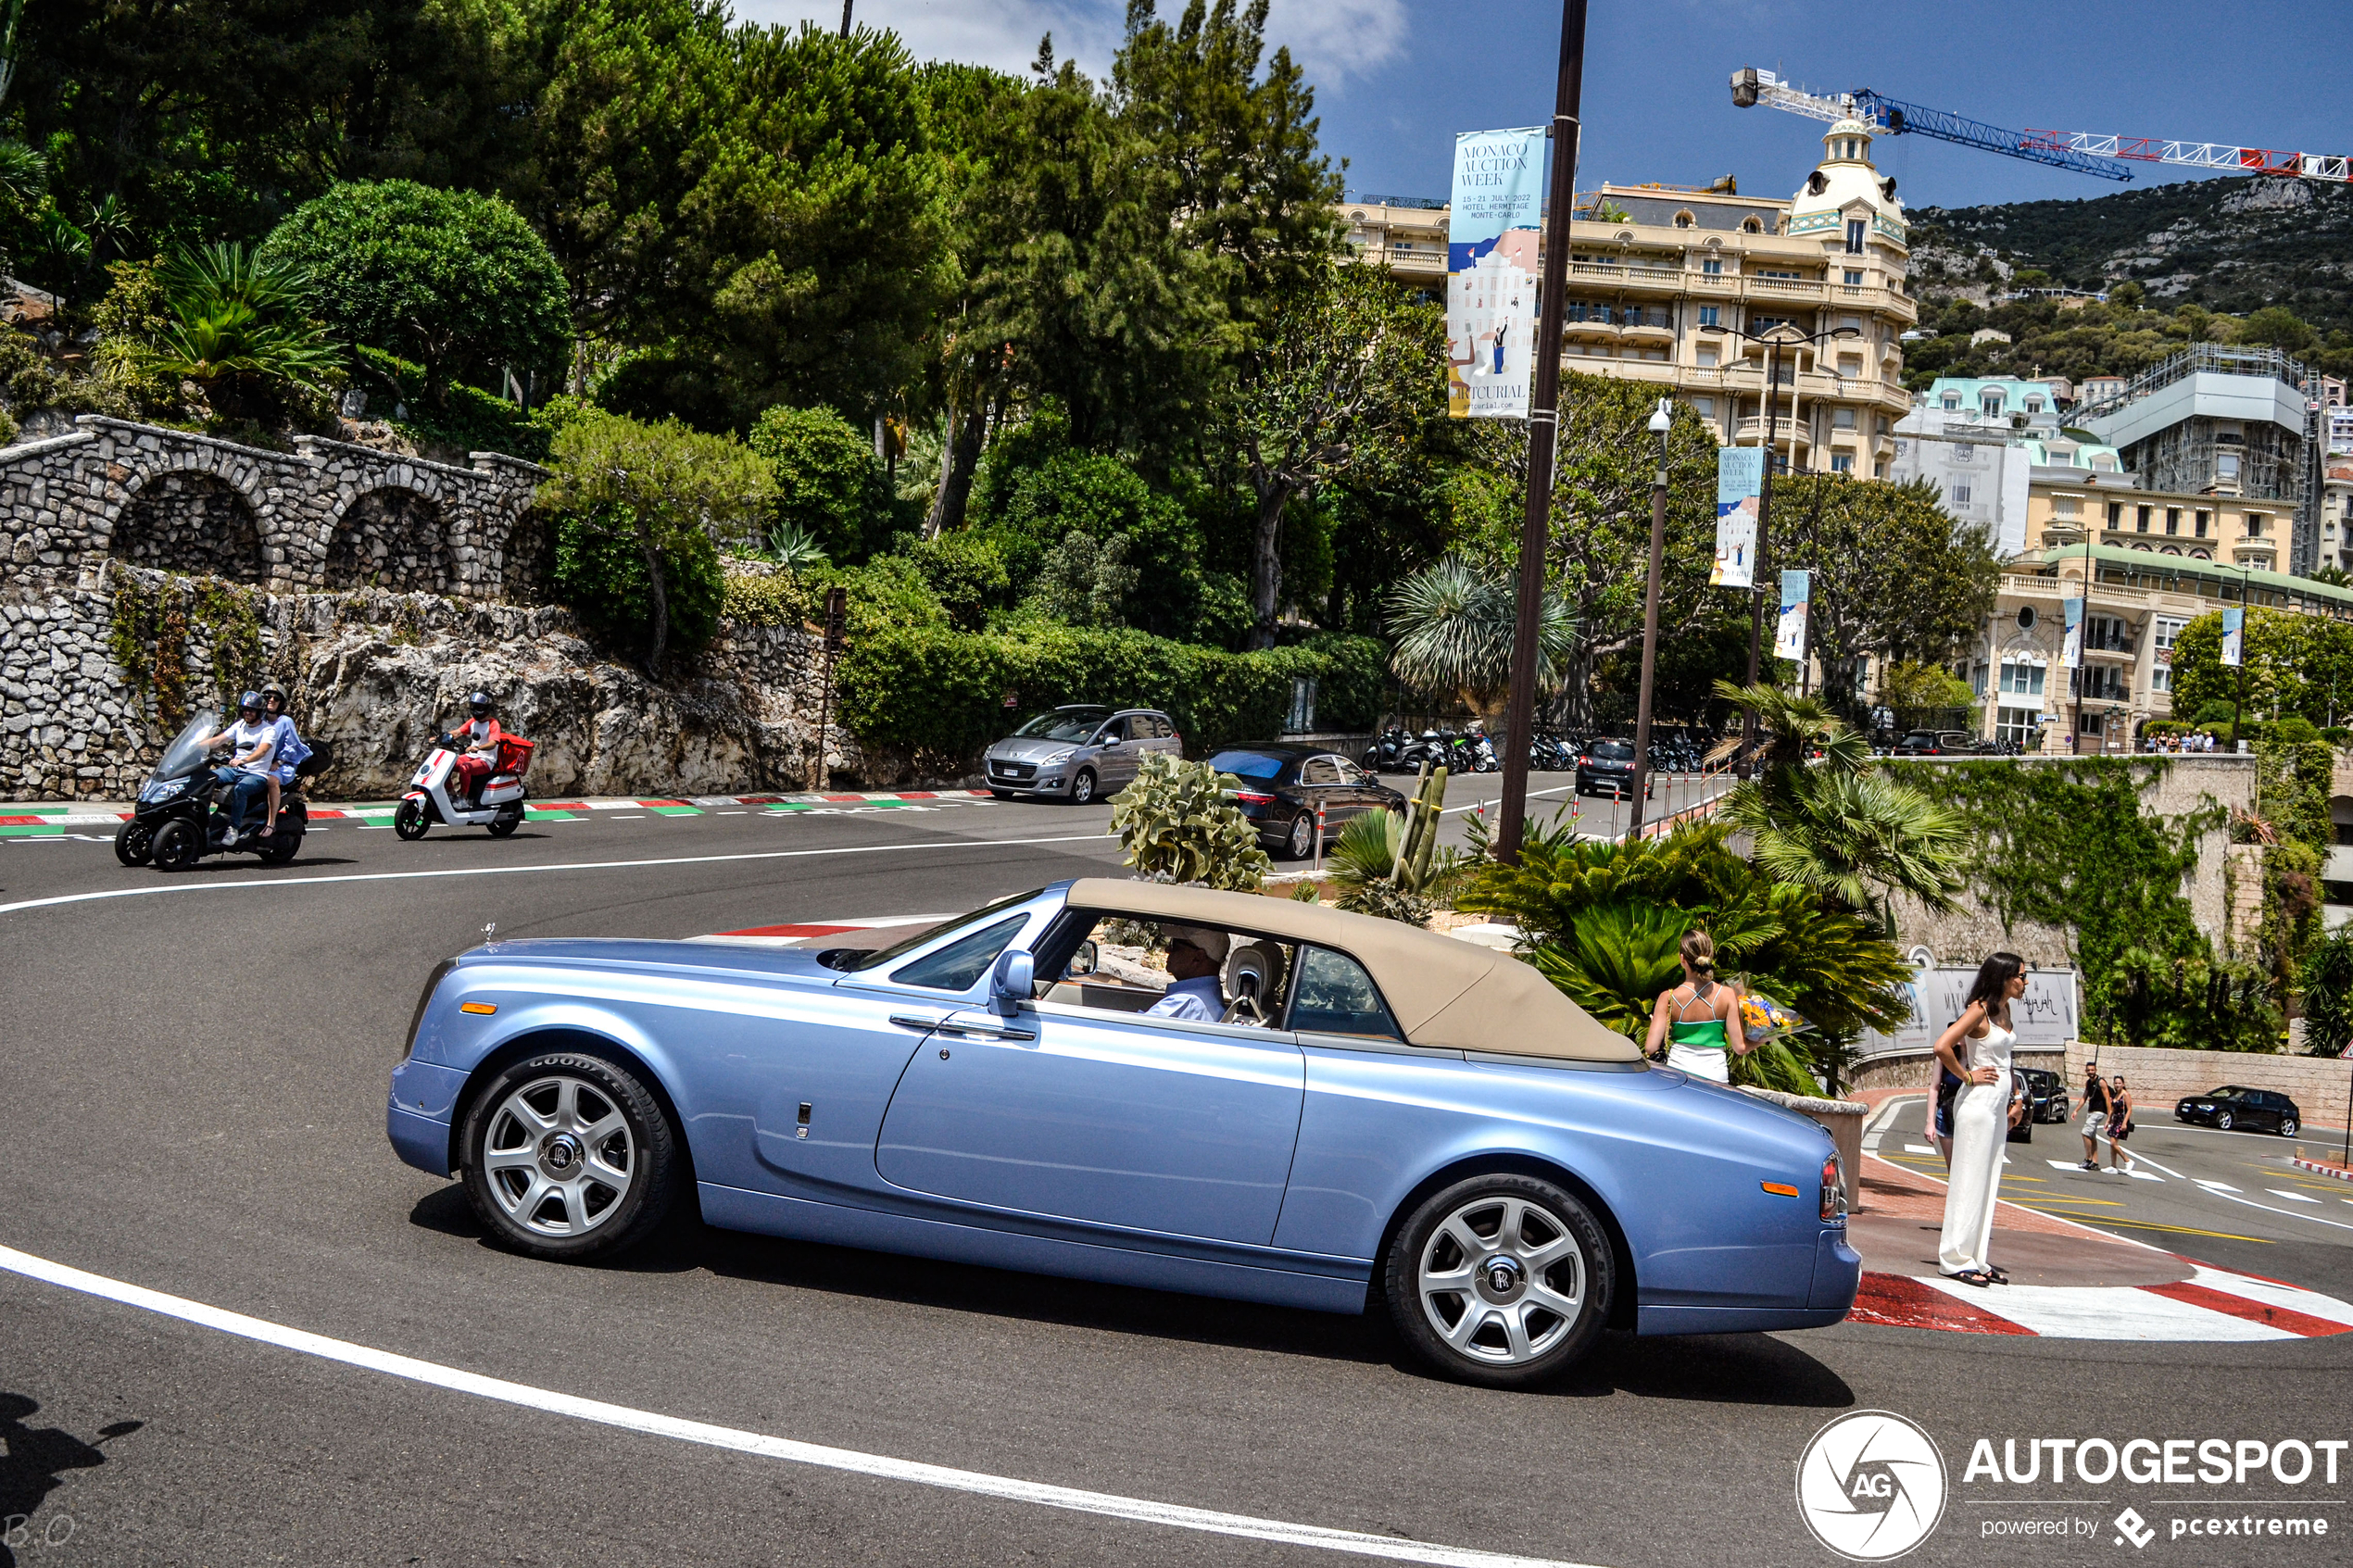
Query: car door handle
(988,1032)
(907,1021)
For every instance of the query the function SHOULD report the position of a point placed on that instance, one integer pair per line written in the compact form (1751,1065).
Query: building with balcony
(1676,286)
(2136,606)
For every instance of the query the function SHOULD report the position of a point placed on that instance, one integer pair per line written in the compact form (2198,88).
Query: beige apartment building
(1675,285)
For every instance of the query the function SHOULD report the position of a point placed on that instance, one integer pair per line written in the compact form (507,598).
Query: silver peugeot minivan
(1079,753)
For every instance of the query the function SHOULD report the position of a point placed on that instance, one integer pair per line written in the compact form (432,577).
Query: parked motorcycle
(178,818)
(498,806)
(1386,755)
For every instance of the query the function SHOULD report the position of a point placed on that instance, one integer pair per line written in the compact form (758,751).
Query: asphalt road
(191,1101)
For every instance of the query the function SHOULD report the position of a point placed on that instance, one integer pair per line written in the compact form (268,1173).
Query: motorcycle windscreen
(186,754)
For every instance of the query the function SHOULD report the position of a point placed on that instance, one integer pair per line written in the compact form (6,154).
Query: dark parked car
(1607,766)
(2230,1105)
(1078,753)
(1936,743)
(2047,1092)
(1281,787)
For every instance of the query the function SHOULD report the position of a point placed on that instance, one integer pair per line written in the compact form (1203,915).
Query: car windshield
(900,950)
(1612,750)
(1248,764)
(1920,738)
(2224,1092)
(1064,723)
(186,755)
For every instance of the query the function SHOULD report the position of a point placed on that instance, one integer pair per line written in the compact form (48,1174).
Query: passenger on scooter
(291,750)
(246,774)
(481,736)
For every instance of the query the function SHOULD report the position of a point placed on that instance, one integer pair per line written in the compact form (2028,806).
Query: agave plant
(790,545)
(238,326)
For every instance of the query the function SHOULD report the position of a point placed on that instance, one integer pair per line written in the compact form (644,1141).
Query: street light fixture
(1662,420)
(1775,339)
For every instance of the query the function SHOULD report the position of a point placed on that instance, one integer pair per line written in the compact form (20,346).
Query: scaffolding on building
(2217,358)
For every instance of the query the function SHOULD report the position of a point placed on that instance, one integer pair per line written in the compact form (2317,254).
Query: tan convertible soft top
(1447,994)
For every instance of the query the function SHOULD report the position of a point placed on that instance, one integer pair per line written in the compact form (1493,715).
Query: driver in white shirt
(1194,993)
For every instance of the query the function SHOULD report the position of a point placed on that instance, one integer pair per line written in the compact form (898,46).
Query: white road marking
(1918,1149)
(2061,1312)
(2231,1196)
(881,1467)
(524,870)
(2292,1197)
(2217,1186)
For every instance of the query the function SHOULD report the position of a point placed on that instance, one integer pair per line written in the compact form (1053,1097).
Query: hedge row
(933,691)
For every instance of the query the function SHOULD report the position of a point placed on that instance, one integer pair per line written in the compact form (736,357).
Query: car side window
(1318,771)
(1335,996)
(960,965)
(1350,773)
(1114,731)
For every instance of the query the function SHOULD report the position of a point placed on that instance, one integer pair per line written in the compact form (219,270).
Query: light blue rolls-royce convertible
(1293,1106)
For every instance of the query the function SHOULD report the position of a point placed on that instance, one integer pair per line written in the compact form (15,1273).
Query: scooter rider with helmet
(291,750)
(480,736)
(246,776)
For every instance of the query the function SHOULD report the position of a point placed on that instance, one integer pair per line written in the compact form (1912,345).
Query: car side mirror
(1082,962)
(1012,982)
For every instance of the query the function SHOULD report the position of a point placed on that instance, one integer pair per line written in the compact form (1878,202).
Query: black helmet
(250,700)
(479,705)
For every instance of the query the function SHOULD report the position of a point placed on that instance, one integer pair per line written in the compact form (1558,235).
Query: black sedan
(1935,743)
(1607,766)
(1281,787)
(2047,1092)
(2230,1105)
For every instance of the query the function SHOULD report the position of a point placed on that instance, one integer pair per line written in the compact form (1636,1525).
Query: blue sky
(1397,79)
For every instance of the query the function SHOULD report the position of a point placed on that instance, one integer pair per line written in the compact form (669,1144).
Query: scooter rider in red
(479,737)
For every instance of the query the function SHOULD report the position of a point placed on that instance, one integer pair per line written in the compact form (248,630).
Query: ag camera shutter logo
(1870,1486)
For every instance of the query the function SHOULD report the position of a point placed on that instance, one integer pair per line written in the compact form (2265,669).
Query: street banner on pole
(1789,633)
(2071,654)
(1740,475)
(1491,244)
(2233,637)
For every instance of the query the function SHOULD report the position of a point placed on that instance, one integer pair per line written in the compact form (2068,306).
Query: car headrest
(1254,959)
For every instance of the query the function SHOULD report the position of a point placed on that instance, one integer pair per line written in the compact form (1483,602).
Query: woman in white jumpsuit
(1977,1048)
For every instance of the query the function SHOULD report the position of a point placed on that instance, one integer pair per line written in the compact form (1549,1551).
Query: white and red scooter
(498,807)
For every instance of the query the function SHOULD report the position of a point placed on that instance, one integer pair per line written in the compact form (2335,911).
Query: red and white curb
(2334,1172)
(2212,1305)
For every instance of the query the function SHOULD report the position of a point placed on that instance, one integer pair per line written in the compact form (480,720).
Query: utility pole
(1544,432)
(845,16)
(1662,420)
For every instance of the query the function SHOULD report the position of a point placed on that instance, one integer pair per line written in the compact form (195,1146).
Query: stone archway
(193,522)
(391,539)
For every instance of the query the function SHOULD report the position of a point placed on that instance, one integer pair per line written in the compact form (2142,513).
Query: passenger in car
(1194,993)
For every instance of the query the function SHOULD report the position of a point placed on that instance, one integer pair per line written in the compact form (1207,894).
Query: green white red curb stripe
(39,818)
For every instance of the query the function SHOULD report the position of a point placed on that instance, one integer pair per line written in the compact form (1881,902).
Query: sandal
(1998,1274)
(1977,1277)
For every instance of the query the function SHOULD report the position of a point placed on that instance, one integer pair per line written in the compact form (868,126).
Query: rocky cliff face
(374,677)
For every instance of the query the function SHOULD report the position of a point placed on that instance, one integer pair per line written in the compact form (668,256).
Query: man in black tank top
(2095,1106)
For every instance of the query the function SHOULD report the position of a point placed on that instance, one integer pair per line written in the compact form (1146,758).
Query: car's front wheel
(1082,788)
(1501,1280)
(2223,1121)
(570,1156)
(2287,1126)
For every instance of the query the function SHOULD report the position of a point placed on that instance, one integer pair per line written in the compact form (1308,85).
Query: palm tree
(1818,819)
(1456,624)
(239,327)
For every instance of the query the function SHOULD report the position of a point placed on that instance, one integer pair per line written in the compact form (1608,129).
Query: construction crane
(2086,152)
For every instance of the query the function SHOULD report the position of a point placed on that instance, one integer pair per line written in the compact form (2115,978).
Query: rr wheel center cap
(562,1157)
(1500,1279)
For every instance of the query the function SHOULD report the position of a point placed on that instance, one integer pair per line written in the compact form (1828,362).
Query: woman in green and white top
(1699,1021)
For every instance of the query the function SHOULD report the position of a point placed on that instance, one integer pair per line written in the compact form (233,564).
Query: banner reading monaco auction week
(1739,476)
(1491,238)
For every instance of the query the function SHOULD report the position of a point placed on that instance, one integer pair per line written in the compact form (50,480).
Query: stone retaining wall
(328,515)
(374,676)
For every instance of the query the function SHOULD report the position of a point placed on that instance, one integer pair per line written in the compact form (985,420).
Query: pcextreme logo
(1870,1486)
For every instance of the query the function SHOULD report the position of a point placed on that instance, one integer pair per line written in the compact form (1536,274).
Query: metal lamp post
(1773,341)
(1662,420)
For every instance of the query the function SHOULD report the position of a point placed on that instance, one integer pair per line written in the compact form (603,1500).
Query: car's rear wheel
(2287,1126)
(1501,1280)
(569,1157)
(1082,788)
(1300,841)
(2223,1121)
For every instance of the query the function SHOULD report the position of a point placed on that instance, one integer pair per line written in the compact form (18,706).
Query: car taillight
(1253,797)
(1584,762)
(1833,1190)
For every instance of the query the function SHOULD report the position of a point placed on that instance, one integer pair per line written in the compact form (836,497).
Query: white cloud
(1331,39)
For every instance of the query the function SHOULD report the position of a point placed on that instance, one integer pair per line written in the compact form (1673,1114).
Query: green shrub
(1354,690)
(466,419)
(600,572)
(967,572)
(1176,825)
(829,481)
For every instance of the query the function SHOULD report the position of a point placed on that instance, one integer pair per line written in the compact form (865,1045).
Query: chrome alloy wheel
(559,1157)
(1502,1281)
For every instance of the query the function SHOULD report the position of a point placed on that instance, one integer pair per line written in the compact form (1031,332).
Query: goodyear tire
(1501,1280)
(569,1157)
